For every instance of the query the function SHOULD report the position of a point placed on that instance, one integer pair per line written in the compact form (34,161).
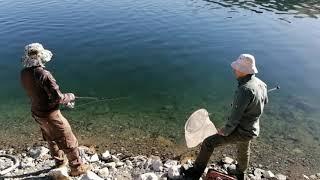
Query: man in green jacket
(243,123)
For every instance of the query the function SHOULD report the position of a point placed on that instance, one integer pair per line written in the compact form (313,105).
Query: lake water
(168,58)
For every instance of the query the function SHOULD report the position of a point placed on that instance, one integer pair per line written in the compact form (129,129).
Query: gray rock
(90,176)
(104,173)
(115,159)
(280,177)
(111,165)
(157,165)
(60,173)
(268,174)
(251,177)
(232,169)
(129,163)
(305,177)
(148,176)
(93,158)
(227,160)
(258,172)
(38,152)
(174,172)
(27,162)
(225,166)
(120,164)
(313,177)
(106,155)
(170,163)
(318,175)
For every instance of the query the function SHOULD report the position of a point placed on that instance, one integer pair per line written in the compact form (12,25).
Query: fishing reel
(71,105)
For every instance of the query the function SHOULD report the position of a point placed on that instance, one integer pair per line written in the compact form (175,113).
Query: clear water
(169,58)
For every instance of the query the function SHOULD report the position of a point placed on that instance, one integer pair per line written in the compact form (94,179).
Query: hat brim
(237,66)
(46,55)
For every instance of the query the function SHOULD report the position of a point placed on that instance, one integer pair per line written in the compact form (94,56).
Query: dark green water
(170,58)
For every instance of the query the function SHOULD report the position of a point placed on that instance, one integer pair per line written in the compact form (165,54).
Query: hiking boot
(61,163)
(191,174)
(79,170)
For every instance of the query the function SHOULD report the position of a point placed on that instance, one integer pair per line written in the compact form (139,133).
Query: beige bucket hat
(198,127)
(35,55)
(245,63)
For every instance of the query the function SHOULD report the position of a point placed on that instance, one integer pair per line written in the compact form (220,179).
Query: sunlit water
(167,59)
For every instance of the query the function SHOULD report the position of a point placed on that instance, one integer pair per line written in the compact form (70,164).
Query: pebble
(129,163)
(38,152)
(258,172)
(120,164)
(111,165)
(313,177)
(94,158)
(157,165)
(115,159)
(305,177)
(174,172)
(280,177)
(268,174)
(106,155)
(170,163)
(148,176)
(318,175)
(27,162)
(104,173)
(232,169)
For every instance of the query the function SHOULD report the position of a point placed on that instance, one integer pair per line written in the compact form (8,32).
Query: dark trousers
(57,132)
(208,145)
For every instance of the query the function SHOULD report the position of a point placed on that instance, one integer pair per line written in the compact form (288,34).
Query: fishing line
(98,100)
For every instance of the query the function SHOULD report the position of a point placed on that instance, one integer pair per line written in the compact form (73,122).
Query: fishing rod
(274,89)
(98,99)
(87,97)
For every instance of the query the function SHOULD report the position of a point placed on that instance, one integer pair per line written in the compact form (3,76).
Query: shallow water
(168,58)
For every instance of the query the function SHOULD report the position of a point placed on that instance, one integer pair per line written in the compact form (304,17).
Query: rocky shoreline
(36,163)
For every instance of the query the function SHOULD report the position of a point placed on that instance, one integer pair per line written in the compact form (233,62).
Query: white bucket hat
(198,127)
(38,58)
(245,63)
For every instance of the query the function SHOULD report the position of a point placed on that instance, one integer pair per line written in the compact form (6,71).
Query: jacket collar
(245,79)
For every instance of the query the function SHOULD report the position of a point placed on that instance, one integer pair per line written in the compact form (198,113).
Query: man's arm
(241,101)
(51,87)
